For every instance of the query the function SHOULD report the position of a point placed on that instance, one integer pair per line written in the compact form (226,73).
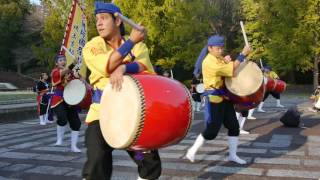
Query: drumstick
(128,21)
(67,50)
(77,67)
(244,33)
(261,63)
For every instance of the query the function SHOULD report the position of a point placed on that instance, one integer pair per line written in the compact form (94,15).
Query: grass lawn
(17,95)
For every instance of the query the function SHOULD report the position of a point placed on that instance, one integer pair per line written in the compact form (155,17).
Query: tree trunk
(316,72)
(19,68)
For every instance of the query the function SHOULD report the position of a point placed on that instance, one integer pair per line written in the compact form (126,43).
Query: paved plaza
(273,151)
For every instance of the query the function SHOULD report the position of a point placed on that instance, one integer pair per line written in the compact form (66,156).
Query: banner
(75,37)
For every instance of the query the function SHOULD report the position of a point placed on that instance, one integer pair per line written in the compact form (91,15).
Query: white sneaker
(261,110)
(280,106)
(251,117)
(244,132)
(190,155)
(236,159)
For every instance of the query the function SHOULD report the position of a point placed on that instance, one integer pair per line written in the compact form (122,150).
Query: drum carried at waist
(246,89)
(275,85)
(149,112)
(78,93)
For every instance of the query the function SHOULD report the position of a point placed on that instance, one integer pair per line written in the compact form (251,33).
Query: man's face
(45,76)
(106,25)
(216,50)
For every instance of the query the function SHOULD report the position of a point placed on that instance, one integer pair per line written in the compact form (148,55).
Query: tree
(284,33)
(179,29)
(11,20)
(309,36)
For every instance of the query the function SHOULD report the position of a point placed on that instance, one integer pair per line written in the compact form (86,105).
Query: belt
(96,97)
(58,92)
(216,92)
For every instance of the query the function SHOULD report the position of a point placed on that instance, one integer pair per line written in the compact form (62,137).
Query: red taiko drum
(78,93)
(149,112)
(270,84)
(280,86)
(246,89)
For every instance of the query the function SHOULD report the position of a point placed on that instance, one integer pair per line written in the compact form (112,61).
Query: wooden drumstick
(261,63)
(129,21)
(67,50)
(244,33)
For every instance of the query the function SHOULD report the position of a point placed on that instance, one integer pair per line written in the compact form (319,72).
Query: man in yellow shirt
(108,57)
(270,74)
(218,109)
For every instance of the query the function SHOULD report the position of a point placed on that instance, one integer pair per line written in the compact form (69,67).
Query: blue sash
(96,97)
(207,106)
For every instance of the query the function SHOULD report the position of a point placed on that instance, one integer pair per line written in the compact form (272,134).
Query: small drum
(149,112)
(280,86)
(78,93)
(200,88)
(246,89)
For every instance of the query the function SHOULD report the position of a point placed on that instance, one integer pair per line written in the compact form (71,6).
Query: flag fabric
(75,37)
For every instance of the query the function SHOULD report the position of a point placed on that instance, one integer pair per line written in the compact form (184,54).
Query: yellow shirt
(96,54)
(272,75)
(214,69)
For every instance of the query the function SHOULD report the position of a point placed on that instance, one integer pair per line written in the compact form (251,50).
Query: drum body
(246,89)
(78,93)
(200,88)
(280,86)
(148,113)
(270,84)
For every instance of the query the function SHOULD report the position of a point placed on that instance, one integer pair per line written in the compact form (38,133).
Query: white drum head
(74,92)
(121,113)
(200,88)
(248,79)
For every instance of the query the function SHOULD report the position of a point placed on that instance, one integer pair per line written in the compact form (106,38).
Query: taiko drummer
(218,109)
(109,56)
(65,113)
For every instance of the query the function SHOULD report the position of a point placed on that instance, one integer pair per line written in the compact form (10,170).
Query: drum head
(74,92)
(247,81)
(200,88)
(121,113)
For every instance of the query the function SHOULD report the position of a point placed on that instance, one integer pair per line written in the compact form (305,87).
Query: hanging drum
(148,112)
(246,89)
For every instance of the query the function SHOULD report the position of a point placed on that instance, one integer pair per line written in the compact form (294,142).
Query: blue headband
(216,40)
(101,7)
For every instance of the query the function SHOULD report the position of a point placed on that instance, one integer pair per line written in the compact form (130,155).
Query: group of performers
(109,56)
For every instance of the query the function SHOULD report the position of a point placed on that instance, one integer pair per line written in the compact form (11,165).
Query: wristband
(132,68)
(241,57)
(125,48)
(71,66)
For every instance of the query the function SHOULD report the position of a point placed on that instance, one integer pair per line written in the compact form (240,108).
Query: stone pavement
(273,151)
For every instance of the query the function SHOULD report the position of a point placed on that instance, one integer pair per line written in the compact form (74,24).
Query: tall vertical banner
(75,37)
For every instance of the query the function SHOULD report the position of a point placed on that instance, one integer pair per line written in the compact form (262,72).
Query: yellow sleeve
(218,68)
(141,53)
(225,70)
(274,75)
(96,58)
